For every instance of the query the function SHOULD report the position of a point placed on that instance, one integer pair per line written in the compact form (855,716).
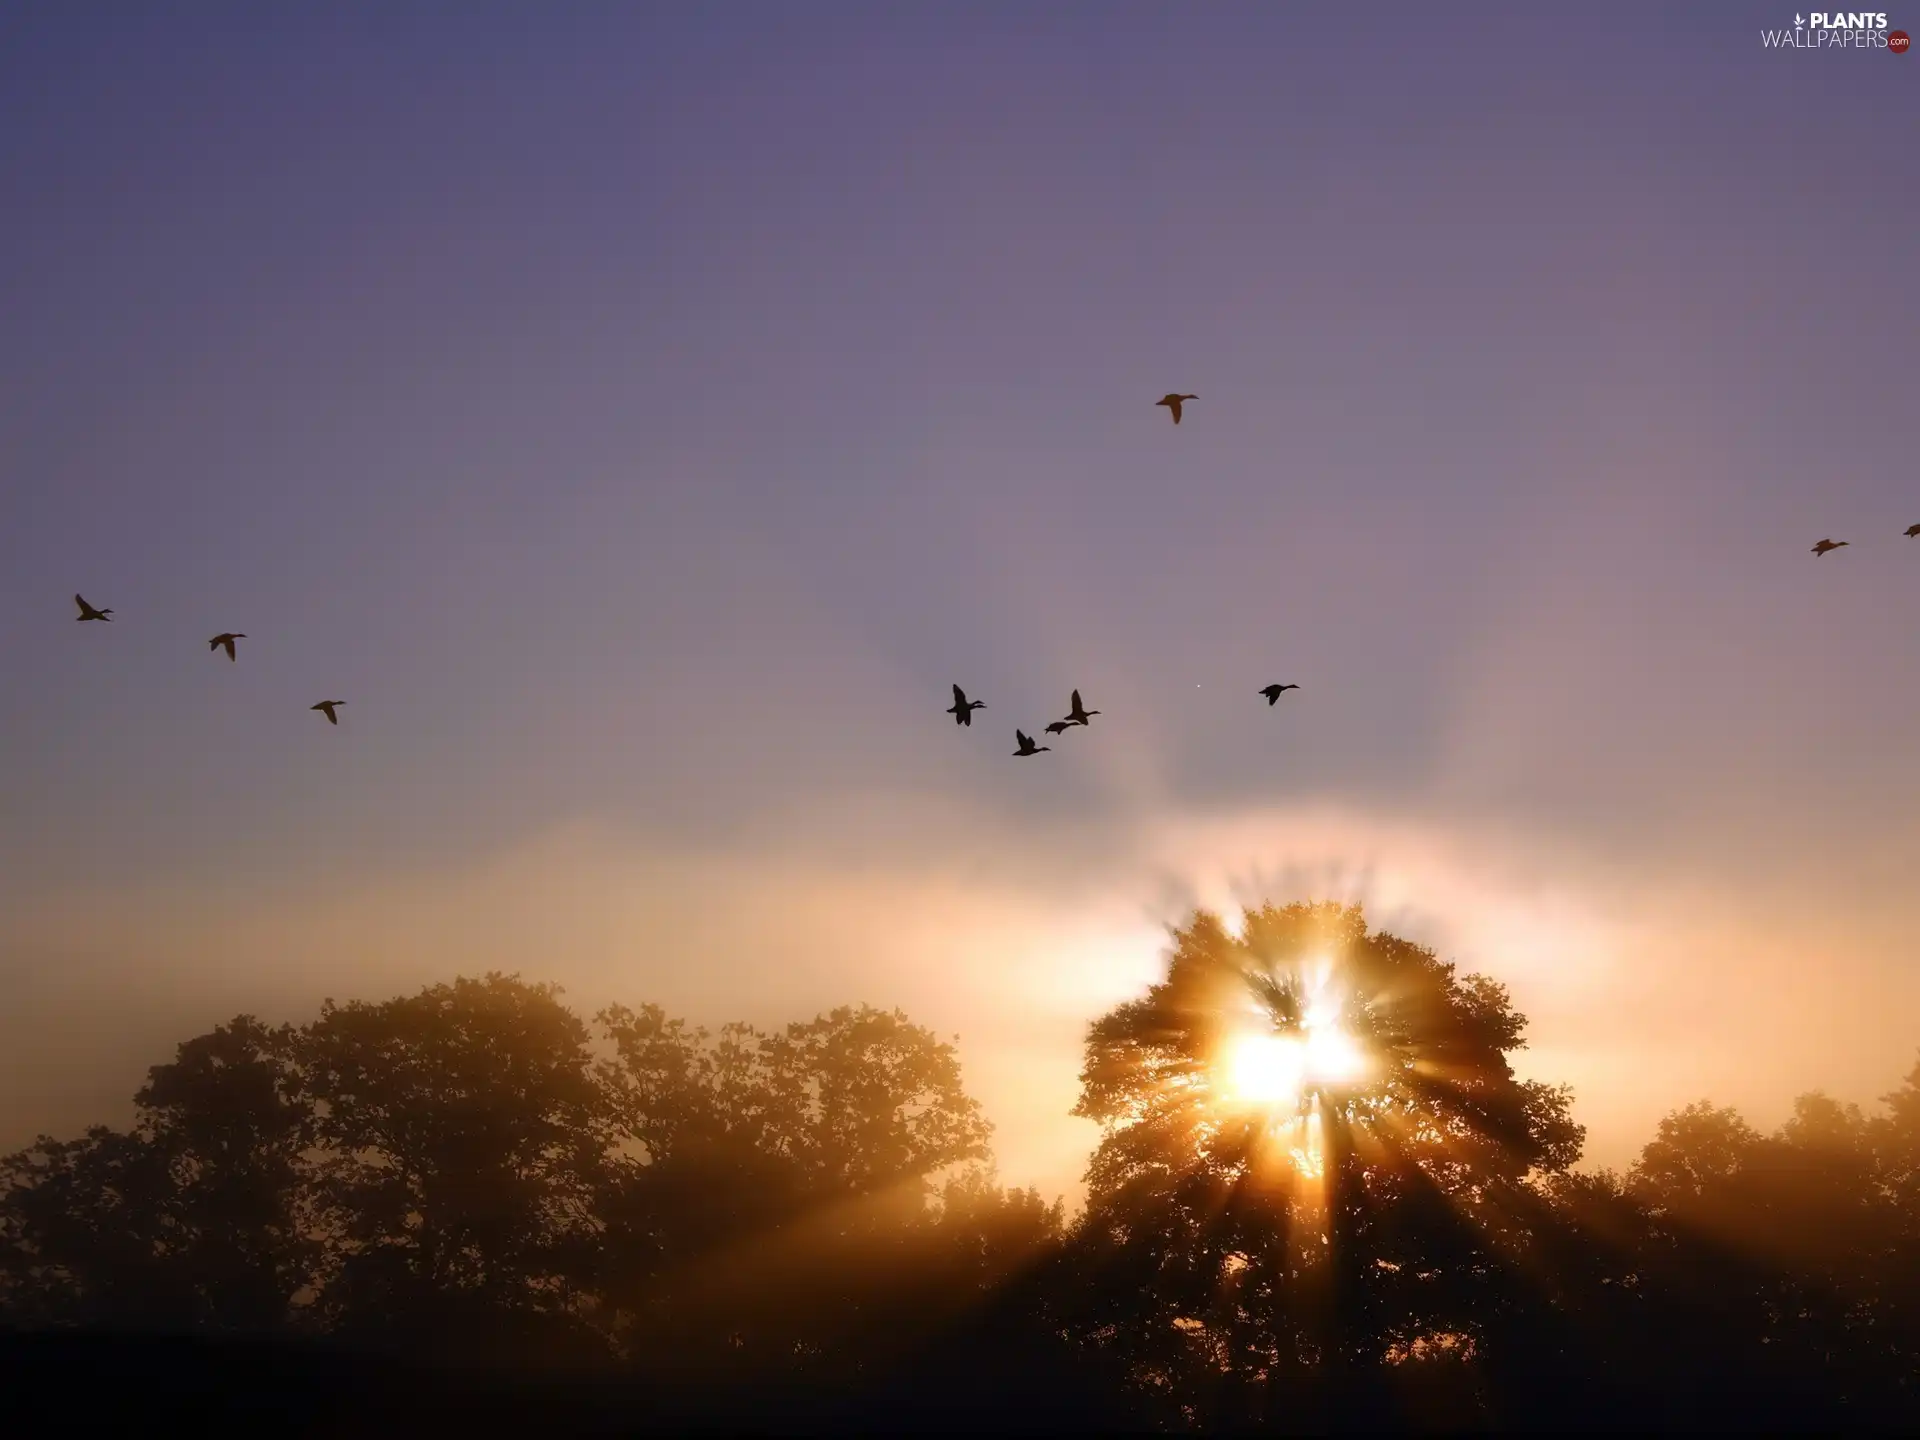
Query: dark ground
(58,1384)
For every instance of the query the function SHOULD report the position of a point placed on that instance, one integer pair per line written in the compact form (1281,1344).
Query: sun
(1279,1069)
(1267,1069)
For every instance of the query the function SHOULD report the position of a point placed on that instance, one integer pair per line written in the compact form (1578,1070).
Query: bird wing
(1175,407)
(1024,738)
(959,696)
(84,607)
(1076,703)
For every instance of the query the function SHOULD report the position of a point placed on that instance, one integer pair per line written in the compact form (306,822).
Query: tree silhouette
(1894,1250)
(1764,1263)
(193,1219)
(465,1138)
(1732,1278)
(460,1173)
(774,1217)
(1321,1197)
(1247,1242)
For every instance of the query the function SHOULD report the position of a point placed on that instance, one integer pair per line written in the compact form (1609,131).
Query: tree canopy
(1321,1196)
(473,1171)
(1313,1159)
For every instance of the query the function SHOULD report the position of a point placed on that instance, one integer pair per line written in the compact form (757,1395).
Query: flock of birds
(962,708)
(1077,714)
(223,641)
(1911,532)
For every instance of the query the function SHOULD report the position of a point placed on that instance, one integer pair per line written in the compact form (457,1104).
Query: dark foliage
(470,1208)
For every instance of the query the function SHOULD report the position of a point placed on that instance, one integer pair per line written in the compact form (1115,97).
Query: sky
(641,415)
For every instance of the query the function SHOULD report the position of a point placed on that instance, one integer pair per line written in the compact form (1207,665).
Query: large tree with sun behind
(1314,1165)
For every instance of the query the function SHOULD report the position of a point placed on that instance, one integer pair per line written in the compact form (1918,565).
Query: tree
(1731,1278)
(458,1172)
(857,1100)
(83,1234)
(1312,1164)
(770,1213)
(192,1219)
(465,1136)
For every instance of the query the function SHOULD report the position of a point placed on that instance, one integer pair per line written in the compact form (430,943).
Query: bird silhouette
(325,707)
(1079,714)
(962,708)
(1027,747)
(1826,545)
(87,612)
(1274,692)
(227,638)
(1172,402)
(1061,726)
(1913,530)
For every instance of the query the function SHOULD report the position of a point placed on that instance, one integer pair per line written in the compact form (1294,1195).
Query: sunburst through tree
(1314,1147)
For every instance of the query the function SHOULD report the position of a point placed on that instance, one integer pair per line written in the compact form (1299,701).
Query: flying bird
(227,640)
(1079,714)
(962,708)
(87,612)
(325,707)
(1826,545)
(1027,747)
(1059,727)
(1172,402)
(1913,530)
(1274,692)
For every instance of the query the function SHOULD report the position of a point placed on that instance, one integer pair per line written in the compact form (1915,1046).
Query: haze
(642,415)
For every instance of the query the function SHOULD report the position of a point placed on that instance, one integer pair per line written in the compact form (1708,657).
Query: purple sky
(642,414)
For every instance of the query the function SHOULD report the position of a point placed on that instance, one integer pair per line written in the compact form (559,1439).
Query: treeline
(800,1226)
(459,1174)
